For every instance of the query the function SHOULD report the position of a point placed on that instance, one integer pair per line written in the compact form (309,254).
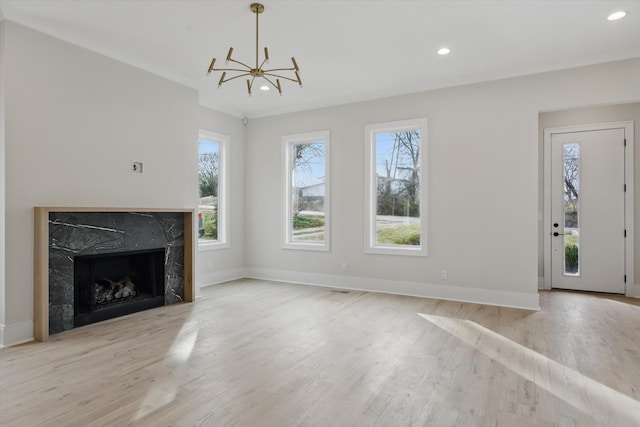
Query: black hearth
(115,284)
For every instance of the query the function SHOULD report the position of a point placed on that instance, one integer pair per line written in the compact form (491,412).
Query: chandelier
(271,75)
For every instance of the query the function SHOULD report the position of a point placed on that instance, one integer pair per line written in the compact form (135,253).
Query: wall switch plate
(136,167)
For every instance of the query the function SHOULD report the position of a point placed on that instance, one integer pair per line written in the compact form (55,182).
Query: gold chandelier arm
(279,69)
(233,78)
(213,61)
(294,68)
(250,84)
(297,80)
(241,63)
(280,76)
(239,70)
(277,86)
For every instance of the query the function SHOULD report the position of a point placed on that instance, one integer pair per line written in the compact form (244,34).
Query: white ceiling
(347,50)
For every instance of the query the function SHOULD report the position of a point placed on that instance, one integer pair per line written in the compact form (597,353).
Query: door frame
(628,196)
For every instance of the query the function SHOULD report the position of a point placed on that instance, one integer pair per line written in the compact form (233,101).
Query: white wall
(482,177)
(585,116)
(2,181)
(75,121)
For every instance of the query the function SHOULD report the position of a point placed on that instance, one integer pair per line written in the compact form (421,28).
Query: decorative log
(107,290)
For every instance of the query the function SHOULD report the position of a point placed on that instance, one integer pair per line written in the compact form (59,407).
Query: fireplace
(109,285)
(64,236)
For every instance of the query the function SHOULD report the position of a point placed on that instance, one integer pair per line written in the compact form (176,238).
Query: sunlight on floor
(627,303)
(184,343)
(161,394)
(603,403)
(164,391)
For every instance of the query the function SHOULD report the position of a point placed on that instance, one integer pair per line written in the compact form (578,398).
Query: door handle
(556,234)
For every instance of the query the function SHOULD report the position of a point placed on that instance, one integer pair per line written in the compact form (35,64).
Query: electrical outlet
(136,167)
(345,266)
(443,274)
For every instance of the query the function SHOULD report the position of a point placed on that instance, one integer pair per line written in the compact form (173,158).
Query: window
(306,191)
(212,190)
(395,214)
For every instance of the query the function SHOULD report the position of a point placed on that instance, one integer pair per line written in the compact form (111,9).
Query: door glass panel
(571,155)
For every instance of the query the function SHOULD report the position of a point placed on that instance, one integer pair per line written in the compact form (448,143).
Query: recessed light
(264,87)
(444,51)
(617,15)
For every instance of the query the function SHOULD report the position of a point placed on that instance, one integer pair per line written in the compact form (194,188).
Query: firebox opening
(117,284)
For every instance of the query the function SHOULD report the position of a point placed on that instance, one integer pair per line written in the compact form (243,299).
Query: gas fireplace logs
(107,291)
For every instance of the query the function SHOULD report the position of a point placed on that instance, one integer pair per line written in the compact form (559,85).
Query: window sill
(306,247)
(212,246)
(402,251)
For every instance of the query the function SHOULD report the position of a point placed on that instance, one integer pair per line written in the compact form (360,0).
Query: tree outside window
(211,190)
(208,178)
(306,191)
(395,198)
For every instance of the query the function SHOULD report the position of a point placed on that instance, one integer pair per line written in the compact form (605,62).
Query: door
(588,211)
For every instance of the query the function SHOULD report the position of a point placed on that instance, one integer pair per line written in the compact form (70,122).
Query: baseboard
(23,332)
(218,277)
(425,290)
(15,334)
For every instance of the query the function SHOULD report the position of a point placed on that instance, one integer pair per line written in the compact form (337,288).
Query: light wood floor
(256,353)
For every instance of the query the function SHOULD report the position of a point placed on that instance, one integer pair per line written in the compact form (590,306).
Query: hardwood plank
(254,352)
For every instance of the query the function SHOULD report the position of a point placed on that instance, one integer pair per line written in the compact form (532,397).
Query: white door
(587,210)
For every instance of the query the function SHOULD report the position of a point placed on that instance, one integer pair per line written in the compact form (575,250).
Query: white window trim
(370,180)
(287,142)
(223,193)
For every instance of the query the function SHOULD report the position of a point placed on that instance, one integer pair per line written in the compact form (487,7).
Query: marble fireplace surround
(128,221)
